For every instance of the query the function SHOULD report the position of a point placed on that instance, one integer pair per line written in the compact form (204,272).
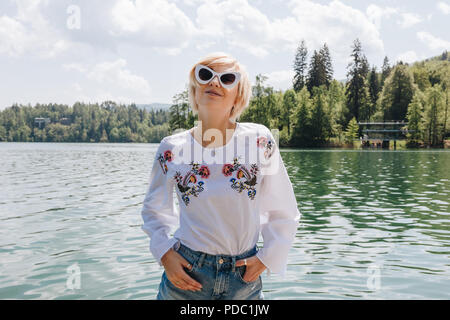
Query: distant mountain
(154,106)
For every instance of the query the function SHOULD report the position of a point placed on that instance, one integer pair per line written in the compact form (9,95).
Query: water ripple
(375,225)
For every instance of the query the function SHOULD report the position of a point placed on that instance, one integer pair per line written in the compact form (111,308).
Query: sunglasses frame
(219,75)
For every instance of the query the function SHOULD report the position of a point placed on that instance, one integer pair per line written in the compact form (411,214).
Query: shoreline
(355,146)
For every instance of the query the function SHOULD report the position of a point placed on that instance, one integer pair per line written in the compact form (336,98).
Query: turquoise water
(375,224)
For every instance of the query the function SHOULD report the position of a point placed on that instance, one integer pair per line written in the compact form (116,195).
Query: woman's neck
(215,138)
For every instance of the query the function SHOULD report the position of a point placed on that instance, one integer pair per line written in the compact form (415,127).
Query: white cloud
(336,23)
(409,19)
(236,22)
(157,23)
(28,32)
(39,27)
(116,73)
(192,3)
(281,79)
(406,19)
(376,13)
(110,80)
(443,7)
(75,66)
(240,25)
(434,43)
(164,27)
(408,56)
(12,36)
(205,45)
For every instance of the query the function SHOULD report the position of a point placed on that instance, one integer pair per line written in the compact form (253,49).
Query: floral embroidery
(242,172)
(168,156)
(227,170)
(267,144)
(204,172)
(190,178)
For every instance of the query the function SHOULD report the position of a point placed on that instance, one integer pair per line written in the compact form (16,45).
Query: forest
(318,110)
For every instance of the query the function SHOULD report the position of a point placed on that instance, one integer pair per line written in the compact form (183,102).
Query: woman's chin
(214,105)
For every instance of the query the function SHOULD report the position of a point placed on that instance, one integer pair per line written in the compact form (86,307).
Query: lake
(375,223)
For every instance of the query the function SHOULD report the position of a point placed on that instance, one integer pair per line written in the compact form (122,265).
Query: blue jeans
(221,279)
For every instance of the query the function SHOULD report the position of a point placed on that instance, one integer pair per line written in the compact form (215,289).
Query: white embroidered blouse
(227,196)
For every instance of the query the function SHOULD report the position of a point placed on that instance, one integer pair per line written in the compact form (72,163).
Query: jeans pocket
(192,260)
(193,267)
(240,271)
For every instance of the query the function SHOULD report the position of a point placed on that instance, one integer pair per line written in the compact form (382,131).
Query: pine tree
(351,133)
(259,91)
(385,70)
(320,121)
(374,89)
(301,120)
(300,65)
(445,88)
(179,111)
(320,69)
(326,64)
(314,75)
(356,90)
(397,93)
(289,104)
(415,116)
(337,108)
(433,115)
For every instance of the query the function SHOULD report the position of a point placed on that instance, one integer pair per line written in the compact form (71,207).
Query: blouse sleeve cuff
(159,252)
(269,266)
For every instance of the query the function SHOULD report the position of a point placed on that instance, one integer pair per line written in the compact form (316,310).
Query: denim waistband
(220,260)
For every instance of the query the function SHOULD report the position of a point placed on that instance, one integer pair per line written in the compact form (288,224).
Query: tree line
(321,111)
(105,122)
(317,111)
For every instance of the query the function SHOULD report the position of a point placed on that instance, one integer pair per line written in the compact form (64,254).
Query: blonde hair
(244,91)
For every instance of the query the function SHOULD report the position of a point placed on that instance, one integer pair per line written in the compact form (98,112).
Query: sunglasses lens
(228,78)
(204,74)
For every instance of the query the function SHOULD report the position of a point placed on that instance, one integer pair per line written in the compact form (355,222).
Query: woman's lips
(214,94)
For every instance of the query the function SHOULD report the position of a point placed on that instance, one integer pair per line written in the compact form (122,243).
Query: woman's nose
(215,80)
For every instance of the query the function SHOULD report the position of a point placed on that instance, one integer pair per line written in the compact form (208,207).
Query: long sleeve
(158,211)
(279,213)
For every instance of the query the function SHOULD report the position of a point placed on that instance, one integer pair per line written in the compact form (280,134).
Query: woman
(225,197)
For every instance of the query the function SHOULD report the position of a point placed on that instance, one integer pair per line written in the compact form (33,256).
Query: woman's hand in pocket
(173,263)
(254,268)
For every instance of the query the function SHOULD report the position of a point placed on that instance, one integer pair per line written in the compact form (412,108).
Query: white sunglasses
(228,80)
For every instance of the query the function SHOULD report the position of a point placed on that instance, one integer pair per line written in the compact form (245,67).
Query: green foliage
(415,117)
(315,111)
(300,65)
(357,92)
(320,69)
(287,107)
(351,133)
(397,93)
(385,70)
(301,120)
(320,121)
(180,113)
(107,122)
(433,116)
(374,85)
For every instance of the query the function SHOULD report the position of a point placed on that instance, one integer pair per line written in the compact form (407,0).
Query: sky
(141,51)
